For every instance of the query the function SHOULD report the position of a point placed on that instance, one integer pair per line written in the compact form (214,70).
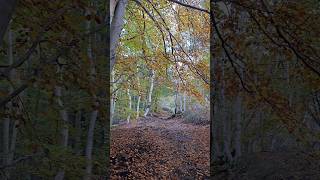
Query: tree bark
(6,11)
(129,105)
(94,113)
(138,107)
(78,132)
(184,101)
(89,146)
(150,93)
(113,97)
(180,103)
(139,96)
(65,129)
(6,136)
(176,97)
(116,27)
(12,144)
(226,122)
(237,136)
(9,144)
(113,4)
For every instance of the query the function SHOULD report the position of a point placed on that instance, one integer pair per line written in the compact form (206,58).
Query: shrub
(198,115)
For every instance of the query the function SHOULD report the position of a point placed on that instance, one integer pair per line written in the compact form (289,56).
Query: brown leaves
(160,149)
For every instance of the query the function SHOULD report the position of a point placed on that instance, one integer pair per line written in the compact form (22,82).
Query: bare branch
(190,6)
(13,94)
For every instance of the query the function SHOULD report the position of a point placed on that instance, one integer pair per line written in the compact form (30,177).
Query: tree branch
(190,6)
(13,94)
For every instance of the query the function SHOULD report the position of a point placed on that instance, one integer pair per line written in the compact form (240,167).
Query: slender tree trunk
(65,129)
(138,106)
(176,97)
(13,141)
(287,76)
(6,123)
(139,95)
(180,103)
(6,136)
(113,97)
(89,146)
(184,101)
(78,132)
(6,11)
(94,113)
(130,105)
(150,93)
(115,102)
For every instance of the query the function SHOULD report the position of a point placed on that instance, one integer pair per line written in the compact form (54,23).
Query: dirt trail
(157,148)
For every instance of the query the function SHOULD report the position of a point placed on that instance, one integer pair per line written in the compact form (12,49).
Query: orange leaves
(157,148)
(147,46)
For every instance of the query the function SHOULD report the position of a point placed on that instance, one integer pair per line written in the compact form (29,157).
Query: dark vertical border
(108,73)
(211,88)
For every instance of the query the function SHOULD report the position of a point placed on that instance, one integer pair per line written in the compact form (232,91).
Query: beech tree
(55,102)
(259,55)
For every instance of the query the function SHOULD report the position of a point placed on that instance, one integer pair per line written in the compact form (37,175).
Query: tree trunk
(138,106)
(113,4)
(117,23)
(130,105)
(13,141)
(176,97)
(113,97)
(221,135)
(139,95)
(89,146)
(237,136)
(184,101)
(226,139)
(6,136)
(6,123)
(180,103)
(94,113)
(6,11)
(225,119)
(65,130)
(150,93)
(78,132)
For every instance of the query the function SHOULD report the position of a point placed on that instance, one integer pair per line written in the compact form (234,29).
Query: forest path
(160,148)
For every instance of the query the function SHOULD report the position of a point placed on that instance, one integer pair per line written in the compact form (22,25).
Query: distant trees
(152,54)
(264,67)
(53,107)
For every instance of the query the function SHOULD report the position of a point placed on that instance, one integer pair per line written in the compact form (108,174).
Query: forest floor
(160,148)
